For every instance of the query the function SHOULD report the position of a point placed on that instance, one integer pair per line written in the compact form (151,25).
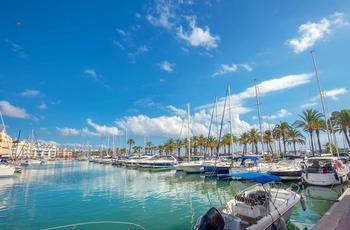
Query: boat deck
(338,216)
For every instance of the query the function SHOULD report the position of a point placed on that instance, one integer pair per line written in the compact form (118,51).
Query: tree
(130,142)
(342,123)
(202,141)
(295,137)
(254,138)
(244,139)
(282,130)
(309,117)
(268,140)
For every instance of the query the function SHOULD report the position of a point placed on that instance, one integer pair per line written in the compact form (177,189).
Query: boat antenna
(322,100)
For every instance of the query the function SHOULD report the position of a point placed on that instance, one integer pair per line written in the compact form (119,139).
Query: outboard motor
(212,220)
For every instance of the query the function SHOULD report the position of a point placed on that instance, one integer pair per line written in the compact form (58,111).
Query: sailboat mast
(188,132)
(230,120)
(322,99)
(259,117)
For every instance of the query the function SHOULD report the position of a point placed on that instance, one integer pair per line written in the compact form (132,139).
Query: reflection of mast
(261,131)
(322,100)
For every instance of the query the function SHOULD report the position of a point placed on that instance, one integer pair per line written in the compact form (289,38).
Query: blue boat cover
(261,178)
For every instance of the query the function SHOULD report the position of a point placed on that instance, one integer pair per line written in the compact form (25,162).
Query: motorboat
(287,169)
(166,162)
(6,170)
(191,166)
(247,163)
(325,171)
(265,205)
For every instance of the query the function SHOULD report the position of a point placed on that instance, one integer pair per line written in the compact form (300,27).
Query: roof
(261,178)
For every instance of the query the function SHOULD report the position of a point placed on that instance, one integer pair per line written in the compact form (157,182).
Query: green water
(62,193)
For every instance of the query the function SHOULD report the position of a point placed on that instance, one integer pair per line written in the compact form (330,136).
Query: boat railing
(98,224)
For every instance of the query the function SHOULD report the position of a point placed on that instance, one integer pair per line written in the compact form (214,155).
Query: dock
(338,216)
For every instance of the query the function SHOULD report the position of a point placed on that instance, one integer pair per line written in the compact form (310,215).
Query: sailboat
(324,170)
(191,166)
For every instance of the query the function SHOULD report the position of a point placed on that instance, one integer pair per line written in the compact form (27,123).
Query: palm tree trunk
(312,144)
(319,142)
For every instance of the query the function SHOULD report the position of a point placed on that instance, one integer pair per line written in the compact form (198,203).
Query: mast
(188,132)
(322,101)
(258,105)
(230,120)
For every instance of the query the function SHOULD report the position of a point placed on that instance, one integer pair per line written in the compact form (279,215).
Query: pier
(338,216)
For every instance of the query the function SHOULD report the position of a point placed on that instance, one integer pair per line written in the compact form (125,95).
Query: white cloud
(11,111)
(68,131)
(177,111)
(42,106)
(331,93)
(91,72)
(167,66)
(247,67)
(141,50)
(310,32)
(17,49)
(145,102)
(30,93)
(163,14)
(197,36)
(104,129)
(122,32)
(224,69)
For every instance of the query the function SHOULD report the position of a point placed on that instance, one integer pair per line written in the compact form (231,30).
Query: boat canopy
(261,178)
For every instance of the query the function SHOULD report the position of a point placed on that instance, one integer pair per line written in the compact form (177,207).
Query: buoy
(283,223)
(303,203)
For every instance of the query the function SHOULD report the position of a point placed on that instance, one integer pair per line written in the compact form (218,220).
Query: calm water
(62,193)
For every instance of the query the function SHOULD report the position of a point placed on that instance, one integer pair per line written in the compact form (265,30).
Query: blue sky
(77,73)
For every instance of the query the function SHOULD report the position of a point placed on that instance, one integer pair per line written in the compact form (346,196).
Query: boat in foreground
(265,205)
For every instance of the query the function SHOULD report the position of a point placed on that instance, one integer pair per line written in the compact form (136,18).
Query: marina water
(66,192)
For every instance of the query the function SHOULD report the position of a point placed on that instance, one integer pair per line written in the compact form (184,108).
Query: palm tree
(244,139)
(179,145)
(130,142)
(268,140)
(342,123)
(194,140)
(295,137)
(161,149)
(227,140)
(212,143)
(202,141)
(282,130)
(149,144)
(309,117)
(254,139)
(169,146)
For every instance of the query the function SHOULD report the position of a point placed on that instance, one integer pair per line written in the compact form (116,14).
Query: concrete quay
(338,216)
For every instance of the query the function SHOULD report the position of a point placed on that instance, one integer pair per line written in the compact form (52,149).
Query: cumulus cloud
(166,66)
(102,129)
(12,111)
(311,32)
(197,36)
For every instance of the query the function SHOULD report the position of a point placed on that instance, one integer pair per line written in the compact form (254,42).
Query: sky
(96,73)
